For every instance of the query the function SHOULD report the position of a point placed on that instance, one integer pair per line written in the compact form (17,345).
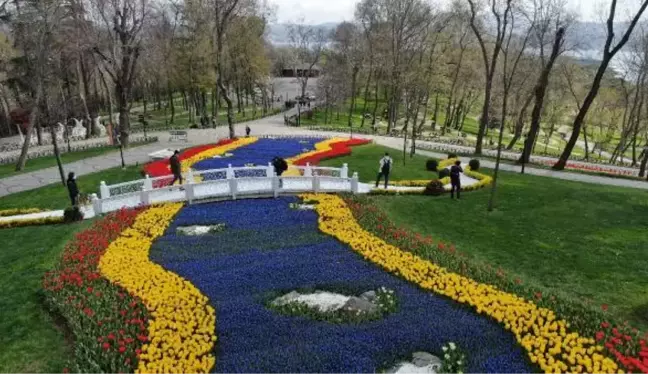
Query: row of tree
(510,57)
(75,58)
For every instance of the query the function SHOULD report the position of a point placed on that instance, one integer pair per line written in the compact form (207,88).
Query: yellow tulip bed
(181,329)
(549,341)
(30,222)
(222,149)
(484,180)
(19,211)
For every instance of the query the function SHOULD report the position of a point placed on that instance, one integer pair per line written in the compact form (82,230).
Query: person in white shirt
(384,169)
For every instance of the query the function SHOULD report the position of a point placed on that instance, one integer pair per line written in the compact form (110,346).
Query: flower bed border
(108,323)
(537,329)
(181,330)
(621,341)
(31,222)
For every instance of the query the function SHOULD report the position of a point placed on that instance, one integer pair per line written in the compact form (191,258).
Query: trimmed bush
(72,214)
(474,164)
(434,188)
(431,165)
(444,173)
(452,155)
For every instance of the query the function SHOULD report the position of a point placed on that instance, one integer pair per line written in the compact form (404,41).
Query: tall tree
(609,51)
(119,44)
(309,43)
(490,60)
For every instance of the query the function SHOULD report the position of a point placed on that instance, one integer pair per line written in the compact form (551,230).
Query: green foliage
(434,188)
(72,214)
(474,164)
(443,173)
(431,165)
(454,359)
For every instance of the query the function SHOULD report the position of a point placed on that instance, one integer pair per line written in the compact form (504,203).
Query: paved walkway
(264,126)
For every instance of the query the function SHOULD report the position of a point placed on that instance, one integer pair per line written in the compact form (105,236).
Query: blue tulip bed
(268,249)
(258,153)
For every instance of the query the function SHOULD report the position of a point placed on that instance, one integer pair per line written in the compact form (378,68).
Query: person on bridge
(176,169)
(455,179)
(280,166)
(384,169)
(73,189)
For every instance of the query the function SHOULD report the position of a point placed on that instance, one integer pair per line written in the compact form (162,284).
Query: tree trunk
(375,108)
(20,165)
(539,93)
(366,93)
(354,77)
(519,124)
(436,111)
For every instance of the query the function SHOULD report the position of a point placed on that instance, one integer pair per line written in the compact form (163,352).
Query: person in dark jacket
(280,166)
(455,179)
(73,190)
(384,169)
(247,131)
(174,162)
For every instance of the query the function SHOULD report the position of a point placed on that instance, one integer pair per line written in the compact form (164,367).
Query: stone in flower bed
(422,362)
(335,307)
(200,229)
(302,206)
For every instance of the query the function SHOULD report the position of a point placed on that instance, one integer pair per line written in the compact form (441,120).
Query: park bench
(177,135)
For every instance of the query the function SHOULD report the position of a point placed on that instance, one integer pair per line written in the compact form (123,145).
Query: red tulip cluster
(107,322)
(593,168)
(161,168)
(338,149)
(626,345)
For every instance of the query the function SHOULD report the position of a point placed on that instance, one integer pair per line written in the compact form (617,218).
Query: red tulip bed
(592,168)
(161,168)
(108,324)
(338,149)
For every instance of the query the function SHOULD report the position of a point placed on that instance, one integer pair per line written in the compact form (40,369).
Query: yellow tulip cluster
(546,338)
(181,330)
(323,146)
(18,211)
(189,162)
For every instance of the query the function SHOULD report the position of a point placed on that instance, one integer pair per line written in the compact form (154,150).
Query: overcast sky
(321,11)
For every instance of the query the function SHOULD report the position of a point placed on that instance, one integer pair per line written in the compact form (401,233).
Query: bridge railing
(230,182)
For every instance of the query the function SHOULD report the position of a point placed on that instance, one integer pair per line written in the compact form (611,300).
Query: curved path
(264,126)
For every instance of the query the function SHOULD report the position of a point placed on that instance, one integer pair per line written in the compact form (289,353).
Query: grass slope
(29,339)
(55,196)
(586,241)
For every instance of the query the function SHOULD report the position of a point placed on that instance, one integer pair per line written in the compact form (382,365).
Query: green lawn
(29,337)
(581,240)
(55,196)
(365,160)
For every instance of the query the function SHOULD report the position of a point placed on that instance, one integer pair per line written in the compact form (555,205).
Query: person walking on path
(73,189)
(384,169)
(280,166)
(247,131)
(455,179)
(176,169)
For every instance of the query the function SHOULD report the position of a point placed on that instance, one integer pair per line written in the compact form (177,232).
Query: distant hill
(278,33)
(586,39)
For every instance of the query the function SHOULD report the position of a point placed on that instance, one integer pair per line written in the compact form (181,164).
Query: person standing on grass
(384,169)
(455,179)
(176,169)
(73,190)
